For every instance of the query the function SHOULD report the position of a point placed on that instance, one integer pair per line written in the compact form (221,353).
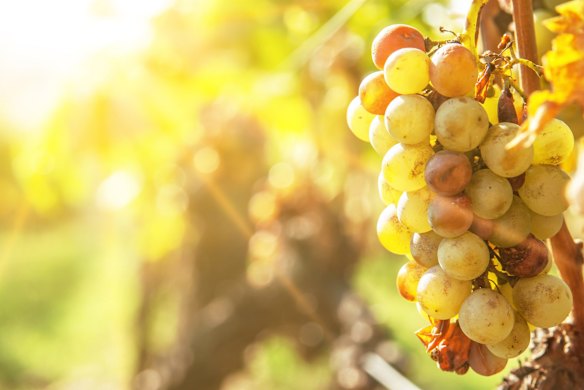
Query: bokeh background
(182,205)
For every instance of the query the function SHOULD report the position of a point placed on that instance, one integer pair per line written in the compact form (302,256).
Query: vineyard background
(183,205)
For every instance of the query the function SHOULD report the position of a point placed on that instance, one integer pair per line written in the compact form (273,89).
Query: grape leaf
(563,67)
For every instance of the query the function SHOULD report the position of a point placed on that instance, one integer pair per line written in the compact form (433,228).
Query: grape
(482,227)
(393,235)
(424,248)
(450,216)
(514,344)
(453,71)
(554,144)
(412,210)
(527,259)
(503,162)
(359,119)
(544,300)
(387,194)
(374,93)
(407,70)
(544,227)
(486,317)
(491,104)
(448,173)
(483,362)
(461,124)
(407,279)
(491,195)
(440,296)
(410,119)
(379,136)
(403,166)
(544,189)
(392,38)
(513,227)
(465,257)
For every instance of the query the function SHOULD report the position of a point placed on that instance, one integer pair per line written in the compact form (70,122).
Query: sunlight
(44,44)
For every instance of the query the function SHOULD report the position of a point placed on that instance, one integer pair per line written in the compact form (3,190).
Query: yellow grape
(412,209)
(410,119)
(379,137)
(424,248)
(407,71)
(514,344)
(544,227)
(544,188)
(465,257)
(441,296)
(461,124)
(491,195)
(407,279)
(486,317)
(500,160)
(392,234)
(374,93)
(453,71)
(359,119)
(554,145)
(512,227)
(403,166)
(387,194)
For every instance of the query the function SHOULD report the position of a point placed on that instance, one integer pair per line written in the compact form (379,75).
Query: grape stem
(526,47)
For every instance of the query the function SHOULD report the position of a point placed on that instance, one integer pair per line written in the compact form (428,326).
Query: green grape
(513,227)
(407,71)
(387,193)
(543,190)
(514,344)
(465,257)
(486,317)
(544,227)
(359,119)
(392,234)
(554,144)
(410,119)
(379,137)
(500,160)
(403,166)
(453,71)
(490,195)
(412,209)
(544,300)
(483,362)
(408,278)
(424,248)
(461,124)
(439,295)
(392,38)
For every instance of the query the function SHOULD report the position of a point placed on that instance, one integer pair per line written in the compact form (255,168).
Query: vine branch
(526,47)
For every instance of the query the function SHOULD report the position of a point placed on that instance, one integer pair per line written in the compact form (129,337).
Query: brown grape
(453,71)
(483,361)
(392,38)
(450,216)
(448,173)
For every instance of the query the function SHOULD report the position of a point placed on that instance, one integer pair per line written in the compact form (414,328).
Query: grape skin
(392,38)
(392,234)
(514,344)
(450,216)
(491,195)
(486,317)
(461,124)
(465,257)
(359,119)
(448,173)
(544,300)
(407,71)
(403,166)
(439,295)
(412,210)
(513,227)
(424,248)
(408,278)
(453,71)
(387,194)
(374,93)
(503,162)
(554,144)
(379,137)
(544,227)
(410,119)
(543,190)
(483,361)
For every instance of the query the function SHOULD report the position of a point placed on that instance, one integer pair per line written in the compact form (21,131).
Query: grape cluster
(470,213)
